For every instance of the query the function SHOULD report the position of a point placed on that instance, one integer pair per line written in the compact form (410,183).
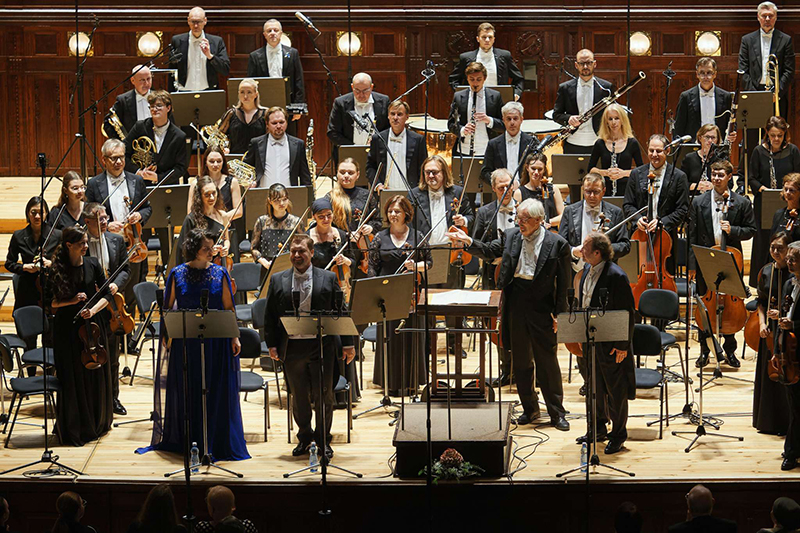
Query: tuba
(113,120)
(774,81)
(212,135)
(312,166)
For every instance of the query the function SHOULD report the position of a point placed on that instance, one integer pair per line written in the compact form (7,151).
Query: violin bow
(105,285)
(347,243)
(420,243)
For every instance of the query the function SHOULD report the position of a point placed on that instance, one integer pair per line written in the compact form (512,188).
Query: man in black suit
(408,148)
(277,156)
(500,66)
(604,284)
(132,106)
(201,57)
(475,113)
(276,60)
(755,50)
(671,198)
(490,224)
(709,228)
(363,101)
(705,103)
(110,251)
(505,151)
(577,96)
(318,291)
(534,276)
(700,504)
(98,189)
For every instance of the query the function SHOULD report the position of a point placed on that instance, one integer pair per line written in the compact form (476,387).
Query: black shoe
(526,418)
(613,447)
(502,381)
(119,409)
(702,360)
(463,354)
(560,423)
(582,390)
(788,464)
(732,360)
(588,438)
(328,452)
(300,449)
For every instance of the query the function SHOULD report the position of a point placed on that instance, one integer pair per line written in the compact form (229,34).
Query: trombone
(774,81)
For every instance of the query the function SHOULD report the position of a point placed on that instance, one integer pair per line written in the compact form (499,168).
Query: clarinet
(472,121)
(614,165)
(773,181)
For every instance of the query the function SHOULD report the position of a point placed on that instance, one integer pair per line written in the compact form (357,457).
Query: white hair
(513,107)
(532,207)
(767,5)
(110,145)
(362,76)
(794,245)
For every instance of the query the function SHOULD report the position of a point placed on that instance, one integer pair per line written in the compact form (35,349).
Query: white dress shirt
(159,132)
(363,136)
(506,216)
(276,162)
(275,60)
(657,186)
(397,148)
(196,77)
(590,282)
(708,106)
(589,219)
(529,255)
(142,107)
(512,152)
(585,136)
(98,247)
(766,44)
(716,215)
(438,216)
(117,200)
(481,128)
(305,284)
(487,60)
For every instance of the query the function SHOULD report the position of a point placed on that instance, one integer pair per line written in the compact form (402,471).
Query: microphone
(430,70)
(542,144)
(359,120)
(676,142)
(204,301)
(296,302)
(603,298)
(306,21)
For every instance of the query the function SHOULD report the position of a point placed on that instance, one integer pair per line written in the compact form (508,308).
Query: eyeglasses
(432,172)
(157,106)
(706,73)
(586,63)
(195,22)
(593,192)
(114,158)
(710,137)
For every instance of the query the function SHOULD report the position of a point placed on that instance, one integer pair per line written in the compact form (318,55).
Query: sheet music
(460,297)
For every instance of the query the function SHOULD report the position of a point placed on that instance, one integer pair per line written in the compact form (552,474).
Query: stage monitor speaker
(480,433)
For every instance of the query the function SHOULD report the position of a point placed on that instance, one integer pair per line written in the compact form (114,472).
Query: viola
(342,271)
(121,319)
(784,366)
(133,238)
(93,354)
(458,255)
(363,242)
(791,220)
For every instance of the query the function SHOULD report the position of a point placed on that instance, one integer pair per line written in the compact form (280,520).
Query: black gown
(770,406)
(550,210)
(84,407)
(628,158)
(65,220)
(384,260)
(240,132)
(22,249)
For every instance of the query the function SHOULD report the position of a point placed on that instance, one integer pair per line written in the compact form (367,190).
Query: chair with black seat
(647,342)
(25,387)
(248,278)
(662,306)
(259,308)
(146,295)
(14,341)
(30,322)
(250,381)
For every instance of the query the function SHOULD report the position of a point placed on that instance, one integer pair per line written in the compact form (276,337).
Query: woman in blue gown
(225,433)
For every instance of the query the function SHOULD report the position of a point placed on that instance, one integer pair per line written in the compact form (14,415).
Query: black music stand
(199,324)
(771,202)
(753,111)
(589,326)
(439,273)
(271,91)
(570,169)
(472,167)
(615,200)
(198,108)
(279,264)
(686,149)
(359,152)
(169,206)
(385,196)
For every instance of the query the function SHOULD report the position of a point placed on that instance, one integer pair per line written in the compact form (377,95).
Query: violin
(545,181)
(342,271)
(654,249)
(458,255)
(133,238)
(363,242)
(93,354)
(791,220)
(784,366)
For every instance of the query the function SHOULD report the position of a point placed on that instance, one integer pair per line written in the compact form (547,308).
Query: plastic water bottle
(584,457)
(195,458)
(313,458)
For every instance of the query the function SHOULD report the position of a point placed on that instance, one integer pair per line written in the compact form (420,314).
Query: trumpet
(774,81)
(113,119)
(212,135)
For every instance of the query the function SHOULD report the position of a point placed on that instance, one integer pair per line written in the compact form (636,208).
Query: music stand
(589,326)
(386,195)
(771,202)
(279,264)
(617,201)
(439,273)
(379,300)
(506,91)
(359,152)
(199,324)
(472,167)
(685,150)
(271,91)
(569,169)
(753,111)
(168,206)
(630,261)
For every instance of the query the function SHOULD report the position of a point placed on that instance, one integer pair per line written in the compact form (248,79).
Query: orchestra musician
(531,176)
(782,217)
(615,381)
(273,228)
(408,148)
(475,112)
(132,106)
(247,120)
(69,209)
(707,231)
(391,248)
(506,151)
(616,151)
(319,291)
(342,129)
(488,227)
(85,401)
(756,48)
(276,60)
(98,189)
(770,406)
(500,66)
(697,165)
(704,104)
(277,156)
(770,161)
(577,96)
(109,250)
(208,214)
(202,57)
(534,277)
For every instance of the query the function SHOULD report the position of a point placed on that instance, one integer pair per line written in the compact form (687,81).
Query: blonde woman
(616,151)
(247,120)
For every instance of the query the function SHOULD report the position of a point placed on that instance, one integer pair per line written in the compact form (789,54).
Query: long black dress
(21,250)
(628,158)
(84,411)
(550,210)
(65,219)
(384,259)
(770,405)
(240,132)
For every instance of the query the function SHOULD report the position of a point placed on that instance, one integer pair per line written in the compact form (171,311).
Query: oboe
(614,165)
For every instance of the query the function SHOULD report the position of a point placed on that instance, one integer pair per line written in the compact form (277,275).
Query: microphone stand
(669,74)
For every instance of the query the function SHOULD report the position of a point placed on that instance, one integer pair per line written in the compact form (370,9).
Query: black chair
(259,307)
(662,305)
(245,247)
(646,342)
(250,381)
(248,278)
(30,322)
(146,295)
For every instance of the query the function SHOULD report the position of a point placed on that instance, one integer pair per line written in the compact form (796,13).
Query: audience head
(158,511)
(220,501)
(699,501)
(230,524)
(70,507)
(786,513)
(627,519)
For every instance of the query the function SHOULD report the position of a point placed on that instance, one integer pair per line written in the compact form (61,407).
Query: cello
(784,366)
(654,249)
(751,329)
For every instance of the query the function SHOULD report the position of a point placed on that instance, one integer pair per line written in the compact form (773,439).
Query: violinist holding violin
(534,182)
(208,213)
(720,214)
(787,218)
(273,228)
(85,401)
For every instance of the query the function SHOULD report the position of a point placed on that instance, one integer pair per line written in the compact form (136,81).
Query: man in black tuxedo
(705,103)
(318,291)
(487,121)
(505,151)
(756,48)
(277,156)
(604,284)
(700,504)
(500,66)
(575,97)
(98,189)
(110,251)
(276,60)
(709,228)
(490,224)
(132,106)
(671,198)
(408,148)
(534,276)
(201,57)
(363,101)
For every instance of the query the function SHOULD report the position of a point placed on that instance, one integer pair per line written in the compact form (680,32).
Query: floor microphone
(296,302)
